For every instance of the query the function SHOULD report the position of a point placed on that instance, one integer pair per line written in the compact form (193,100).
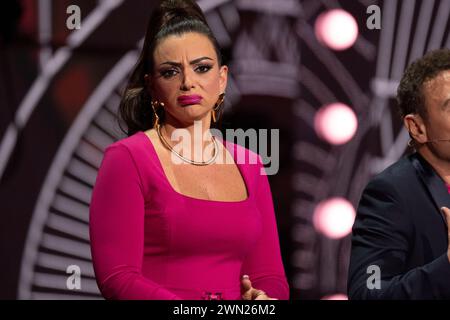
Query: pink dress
(150,242)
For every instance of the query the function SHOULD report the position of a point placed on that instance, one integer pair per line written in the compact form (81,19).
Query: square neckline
(172,189)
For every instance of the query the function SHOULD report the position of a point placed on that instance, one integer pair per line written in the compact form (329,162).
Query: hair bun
(176,10)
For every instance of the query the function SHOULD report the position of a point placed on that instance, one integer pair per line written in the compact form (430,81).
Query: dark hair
(410,97)
(171,17)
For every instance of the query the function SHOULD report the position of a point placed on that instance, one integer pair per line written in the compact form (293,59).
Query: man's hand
(446,213)
(250,293)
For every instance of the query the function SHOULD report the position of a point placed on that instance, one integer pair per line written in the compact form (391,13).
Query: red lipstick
(186,100)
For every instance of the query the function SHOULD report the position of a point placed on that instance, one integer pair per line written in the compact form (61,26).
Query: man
(400,240)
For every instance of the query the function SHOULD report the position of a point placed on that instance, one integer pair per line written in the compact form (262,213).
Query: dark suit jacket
(399,228)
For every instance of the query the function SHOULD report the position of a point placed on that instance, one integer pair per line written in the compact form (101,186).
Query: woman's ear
(148,84)
(223,78)
(416,127)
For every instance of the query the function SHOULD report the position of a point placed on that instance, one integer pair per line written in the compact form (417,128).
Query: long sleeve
(382,236)
(117,230)
(264,265)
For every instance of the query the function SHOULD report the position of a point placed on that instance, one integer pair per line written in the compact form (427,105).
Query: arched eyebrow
(195,61)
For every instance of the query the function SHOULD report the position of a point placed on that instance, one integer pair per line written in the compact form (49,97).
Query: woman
(161,229)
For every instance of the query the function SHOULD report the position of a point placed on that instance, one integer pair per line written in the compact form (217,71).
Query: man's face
(436,93)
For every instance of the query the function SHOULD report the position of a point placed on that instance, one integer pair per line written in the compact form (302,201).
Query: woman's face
(187,77)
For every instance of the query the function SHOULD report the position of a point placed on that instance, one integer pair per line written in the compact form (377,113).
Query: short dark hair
(410,97)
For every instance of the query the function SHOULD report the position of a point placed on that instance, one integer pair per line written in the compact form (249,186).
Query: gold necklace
(197,163)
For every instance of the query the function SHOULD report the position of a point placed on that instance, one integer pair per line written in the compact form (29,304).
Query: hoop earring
(218,106)
(411,143)
(156,105)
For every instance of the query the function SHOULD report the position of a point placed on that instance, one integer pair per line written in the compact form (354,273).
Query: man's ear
(223,78)
(416,127)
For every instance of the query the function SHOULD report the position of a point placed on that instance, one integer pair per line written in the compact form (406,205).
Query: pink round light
(337,296)
(334,217)
(336,123)
(336,29)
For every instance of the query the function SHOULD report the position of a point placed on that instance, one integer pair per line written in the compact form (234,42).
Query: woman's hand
(250,293)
